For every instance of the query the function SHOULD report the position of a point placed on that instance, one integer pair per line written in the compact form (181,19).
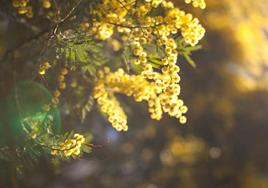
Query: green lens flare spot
(25,110)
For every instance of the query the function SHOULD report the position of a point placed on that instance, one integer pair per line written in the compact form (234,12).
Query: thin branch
(70,13)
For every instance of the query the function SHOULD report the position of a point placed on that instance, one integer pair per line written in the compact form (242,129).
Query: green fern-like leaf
(80,50)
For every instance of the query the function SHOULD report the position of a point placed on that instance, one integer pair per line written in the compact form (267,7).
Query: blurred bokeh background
(223,145)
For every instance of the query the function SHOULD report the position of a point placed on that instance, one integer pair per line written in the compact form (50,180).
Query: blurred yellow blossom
(248,21)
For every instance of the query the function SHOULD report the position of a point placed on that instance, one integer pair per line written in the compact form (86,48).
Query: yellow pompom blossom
(70,147)
(197,3)
(138,28)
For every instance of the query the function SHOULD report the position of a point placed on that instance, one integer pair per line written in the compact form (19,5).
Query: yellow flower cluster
(131,17)
(191,30)
(108,103)
(140,89)
(111,12)
(24,8)
(70,146)
(138,28)
(197,3)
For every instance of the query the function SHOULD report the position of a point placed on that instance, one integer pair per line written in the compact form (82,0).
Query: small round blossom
(43,68)
(197,3)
